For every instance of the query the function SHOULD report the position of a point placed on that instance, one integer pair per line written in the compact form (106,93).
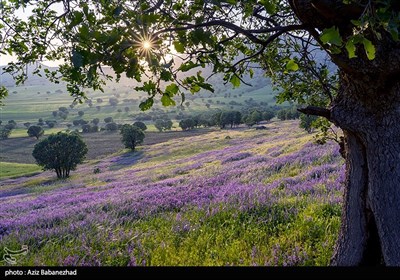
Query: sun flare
(146,45)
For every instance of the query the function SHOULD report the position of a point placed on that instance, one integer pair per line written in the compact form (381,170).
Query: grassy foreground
(254,198)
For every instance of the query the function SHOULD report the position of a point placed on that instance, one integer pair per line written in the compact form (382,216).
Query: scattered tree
(4,133)
(163,124)
(35,131)
(187,124)
(131,136)
(61,152)
(111,126)
(108,120)
(140,125)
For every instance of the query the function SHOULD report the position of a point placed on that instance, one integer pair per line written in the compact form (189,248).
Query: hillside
(267,197)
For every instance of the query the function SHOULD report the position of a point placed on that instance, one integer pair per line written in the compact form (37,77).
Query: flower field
(258,197)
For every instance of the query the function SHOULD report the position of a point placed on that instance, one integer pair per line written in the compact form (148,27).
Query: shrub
(61,152)
(131,136)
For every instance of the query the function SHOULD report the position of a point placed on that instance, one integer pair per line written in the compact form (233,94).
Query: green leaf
(351,49)
(291,65)
(166,76)
(187,66)
(179,47)
(269,6)
(251,72)
(77,59)
(147,104)
(331,36)
(235,80)
(369,48)
(172,89)
(166,100)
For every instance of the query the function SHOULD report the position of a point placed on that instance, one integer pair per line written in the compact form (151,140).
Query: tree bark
(369,116)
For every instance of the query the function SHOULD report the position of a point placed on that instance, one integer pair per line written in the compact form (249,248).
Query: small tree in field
(131,136)
(140,125)
(4,133)
(61,152)
(35,131)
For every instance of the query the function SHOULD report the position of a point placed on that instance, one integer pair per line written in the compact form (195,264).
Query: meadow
(225,197)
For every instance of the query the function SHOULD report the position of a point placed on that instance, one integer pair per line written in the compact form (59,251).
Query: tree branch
(316,111)
(226,24)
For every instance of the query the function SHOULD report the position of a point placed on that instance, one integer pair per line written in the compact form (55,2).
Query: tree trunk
(369,115)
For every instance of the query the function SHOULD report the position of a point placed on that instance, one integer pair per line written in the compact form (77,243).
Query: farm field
(221,197)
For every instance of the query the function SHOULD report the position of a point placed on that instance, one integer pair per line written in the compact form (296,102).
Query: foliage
(187,124)
(307,122)
(35,131)
(111,126)
(61,152)
(163,124)
(232,118)
(4,132)
(108,120)
(140,125)
(89,128)
(131,136)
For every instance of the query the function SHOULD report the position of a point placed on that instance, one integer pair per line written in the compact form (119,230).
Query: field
(223,197)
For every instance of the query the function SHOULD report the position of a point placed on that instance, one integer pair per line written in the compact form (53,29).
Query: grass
(8,169)
(259,198)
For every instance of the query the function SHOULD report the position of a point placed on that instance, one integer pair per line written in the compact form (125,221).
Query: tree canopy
(61,152)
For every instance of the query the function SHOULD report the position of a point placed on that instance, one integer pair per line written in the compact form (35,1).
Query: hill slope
(254,198)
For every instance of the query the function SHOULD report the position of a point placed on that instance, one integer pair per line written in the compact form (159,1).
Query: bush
(35,131)
(61,152)
(131,136)
(140,125)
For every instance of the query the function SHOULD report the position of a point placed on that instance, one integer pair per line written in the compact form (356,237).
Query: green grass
(8,169)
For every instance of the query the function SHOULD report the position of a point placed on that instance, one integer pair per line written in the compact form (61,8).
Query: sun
(146,45)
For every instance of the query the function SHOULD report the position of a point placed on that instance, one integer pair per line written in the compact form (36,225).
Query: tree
(35,131)
(140,125)
(81,113)
(113,101)
(4,133)
(95,121)
(108,120)
(131,136)
(353,82)
(306,122)
(163,124)
(187,124)
(61,152)
(111,126)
